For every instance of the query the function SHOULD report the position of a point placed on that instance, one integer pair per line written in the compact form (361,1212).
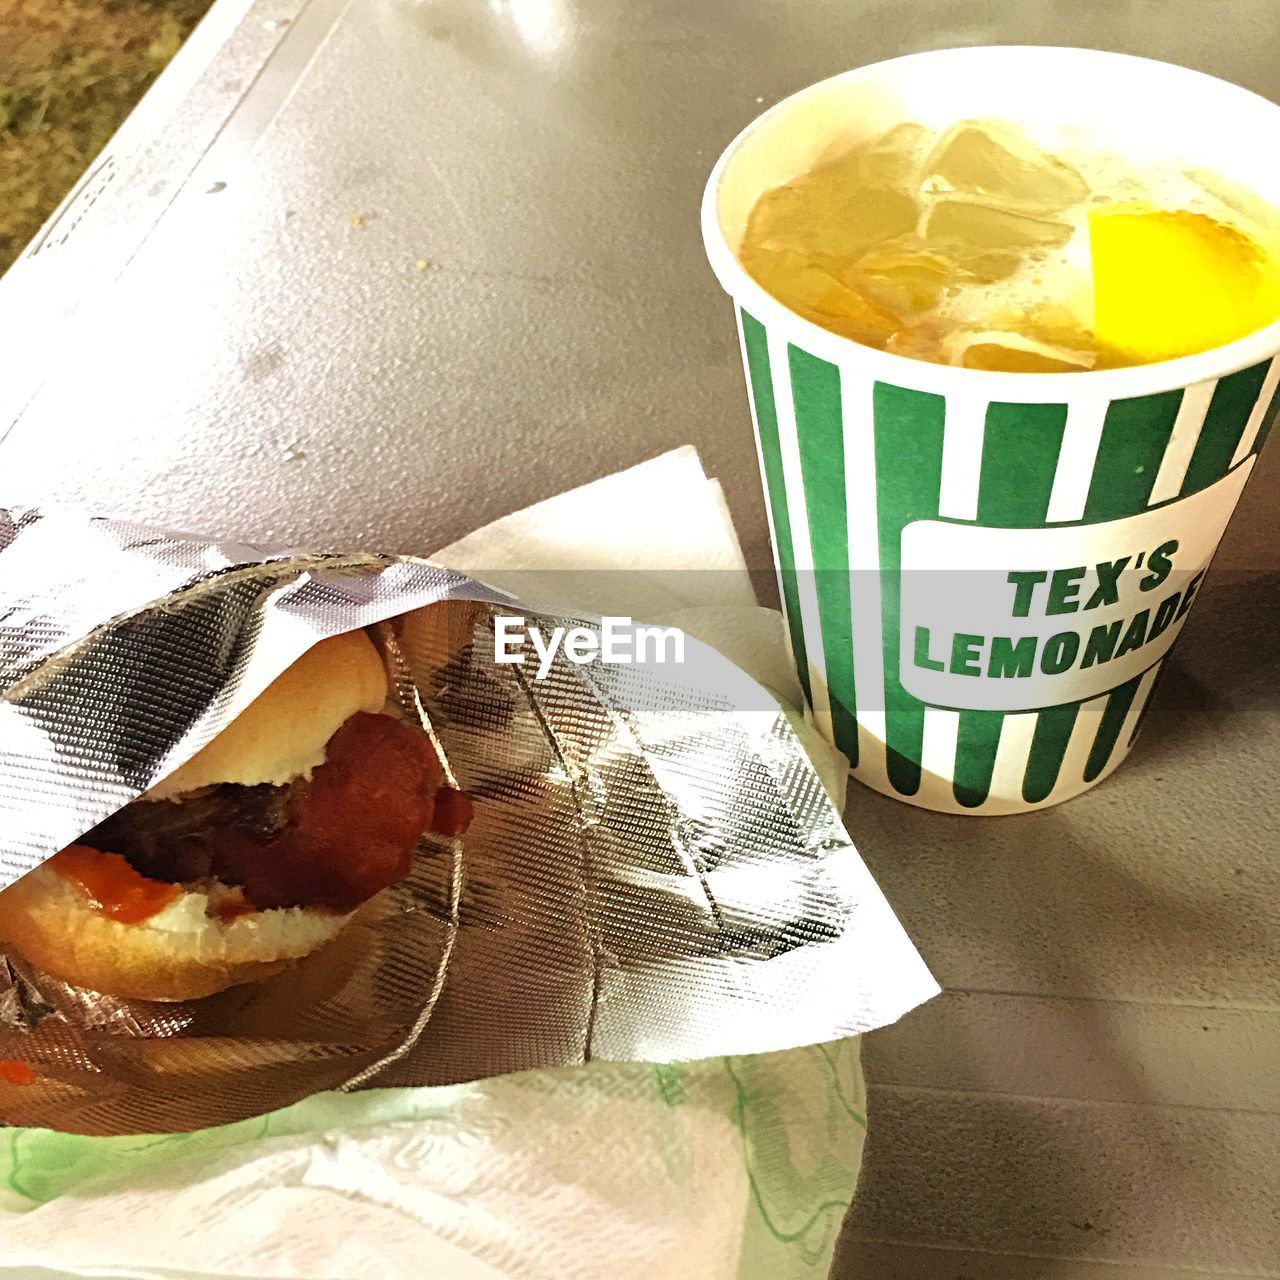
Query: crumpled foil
(653,873)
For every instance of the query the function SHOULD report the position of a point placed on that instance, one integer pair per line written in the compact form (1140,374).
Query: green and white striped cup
(983,572)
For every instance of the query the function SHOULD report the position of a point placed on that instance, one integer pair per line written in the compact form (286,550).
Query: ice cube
(1010,352)
(809,284)
(906,274)
(978,265)
(891,161)
(992,159)
(1063,324)
(830,210)
(919,341)
(984,228)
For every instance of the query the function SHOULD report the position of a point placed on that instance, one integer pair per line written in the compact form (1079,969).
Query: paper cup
(983,573)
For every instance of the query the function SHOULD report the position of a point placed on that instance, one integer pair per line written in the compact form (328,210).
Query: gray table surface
(235,293)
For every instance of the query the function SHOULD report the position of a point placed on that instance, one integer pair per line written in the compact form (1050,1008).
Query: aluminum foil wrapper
(653,873)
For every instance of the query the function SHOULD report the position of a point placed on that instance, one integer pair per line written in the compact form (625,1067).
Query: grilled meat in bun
(254,853)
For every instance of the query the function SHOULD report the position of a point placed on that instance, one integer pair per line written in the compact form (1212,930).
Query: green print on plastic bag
(800,1189)
(796,1117)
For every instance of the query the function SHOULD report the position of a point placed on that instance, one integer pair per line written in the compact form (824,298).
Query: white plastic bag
(726,1169)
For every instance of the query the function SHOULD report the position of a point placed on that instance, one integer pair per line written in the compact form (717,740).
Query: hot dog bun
(182,953)
(281,735)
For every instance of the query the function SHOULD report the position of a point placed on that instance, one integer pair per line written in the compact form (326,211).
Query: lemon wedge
(1170,283)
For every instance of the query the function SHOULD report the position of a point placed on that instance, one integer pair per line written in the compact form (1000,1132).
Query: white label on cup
(996,619)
